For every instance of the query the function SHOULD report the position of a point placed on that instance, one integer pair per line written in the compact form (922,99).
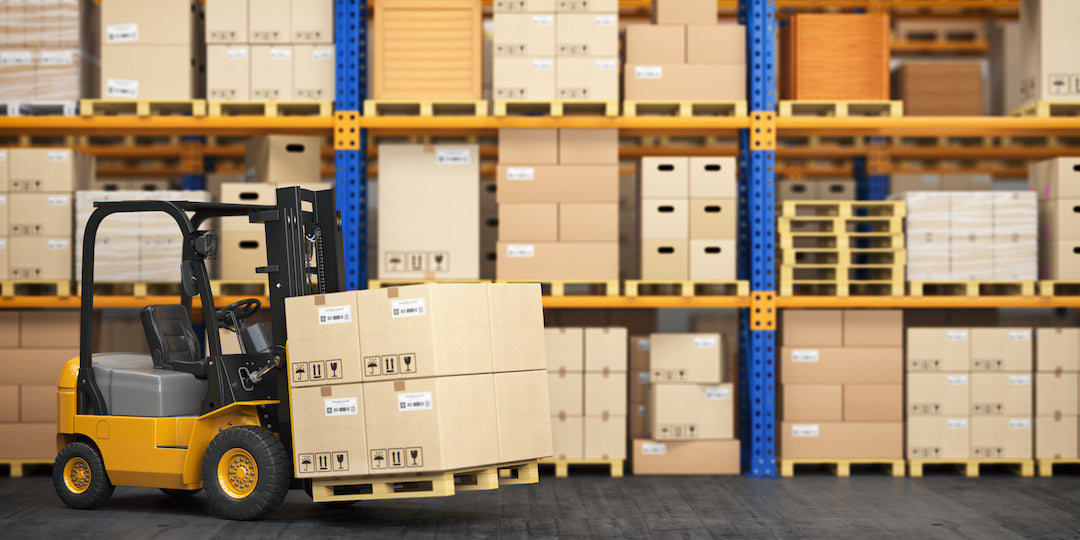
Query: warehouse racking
(753,138)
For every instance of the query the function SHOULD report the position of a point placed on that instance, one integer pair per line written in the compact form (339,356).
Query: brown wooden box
(939,89)
(835,57)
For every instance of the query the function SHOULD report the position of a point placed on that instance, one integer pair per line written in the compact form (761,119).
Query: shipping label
(236,54)
(521,251)
(805,355)
(606,20)
(956,423)
(805,430)
(335,314)
(1020,335)
(643,345)
(59,155)
(543,20)
(1020,423)
(58,244)
(325,53)
(653,449)
(3,200)
(3,243)
(956,380)
(122,33)
(281,54)
(1019,380)
(543,64)
(956,335)
(643,377)
(409,307)
(15,58)
(649,72)
(59,200)
(415,401)
(3,155)
(704,343)
(720,392)
(453,157)
(121,88)
(341,406)
(606,64)
(520,173)
(57,58)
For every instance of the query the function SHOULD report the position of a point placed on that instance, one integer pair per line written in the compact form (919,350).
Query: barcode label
(280,54)
(653,449)
(805,430)
(543,64)
(236,54)
(956,423)
(3,155)
(520,173)
(521,251)
(956,335)
(605,20)
(804,355)
(606,64)
(410,307)
(643,345)
(704,343)
(335,314)
(1019,423)
(58,200)
(3,200)
(59,155)
(956,380)
(57,58)
(1020,335)
(121,33)
(3,243)
(643,377)
(341,406)
(122,88)
(453,157)
(58,244)
(323,54)
(721,392)
(543,20)
(649,72)
(15,58)
(1019,380)
(415,401)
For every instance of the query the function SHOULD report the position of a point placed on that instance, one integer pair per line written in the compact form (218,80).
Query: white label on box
(59,155)
(58,244)
(3,200)
(606,64)
(409,307)
(543,20)
(641,410)
(643,345)
(121,33)
(236,54)
(649,72)
(453,157)
(415,401)
(335,314)
(982,179)
(521,173)
(956,380)
(3,155)
(59,200)
(1019,380)
(805,355)
(606,20)
(57,58)
(3,243)
(281,54)
(543,64)
(643,377)
(1020,335)
(341,406)
(121,88)
(1020,423)
(521,251)
(930,178)
(805,430)
(324,53)
(15,58)
(956,335)
(704,343)
(653,448)
(721,392)
(956,423)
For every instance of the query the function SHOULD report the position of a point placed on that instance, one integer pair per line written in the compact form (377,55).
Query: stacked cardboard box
(939,88)
(34,346)
(489,229)
(690,409)
(969,393)
(904,182)
(1057,366)
(1056,183)
(842,384)
(685,55)
(429,211)
(280,50)
(558,194)
(551,50)
(1049,70)
(587,380)
(835,56)
(689,217)
(397,380)
(838,189)
(1004,69)
(976,235)
(152,50)
(638,388)
(44,54)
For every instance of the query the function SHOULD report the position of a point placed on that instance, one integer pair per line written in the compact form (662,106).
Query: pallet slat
(429,107)
(562,466)
(1047,109)
(1024,467)
(684,109)
(1046,466)
(887,209)
(524,107)
(971,288)
(841,108)
(270,108)
(572,287)
(686,288)
(142,107)
(61,288)
(842,467)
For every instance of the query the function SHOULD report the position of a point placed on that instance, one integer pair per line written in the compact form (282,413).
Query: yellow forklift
(177,419)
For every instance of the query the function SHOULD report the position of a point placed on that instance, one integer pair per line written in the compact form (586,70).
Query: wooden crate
(835,56)
(428,50)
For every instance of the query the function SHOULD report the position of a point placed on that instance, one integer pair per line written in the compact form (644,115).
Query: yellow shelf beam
(108,302)
(928,302)
(164,125)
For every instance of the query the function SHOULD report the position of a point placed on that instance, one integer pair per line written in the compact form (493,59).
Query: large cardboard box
(812,328)
(314,73)
(812,402)
(524,34)
(1001,437)
(133,23)
(713,259)
(687,358)
(873,328)
(1057,349)
(586,34)
(691,411)
(715,43)
(28,441)
(686,457)
(939,88)
(517,327)
(49,328)
(524,415)
(1059,218)
(873,402)
(228,72)
(568,437)
(9,403)
(938,394)
(245,193)
(1055,393)
(663,219)
(227,21)
(1001,349)
(587,78)
(284,159)
(269,21)
(655,44)
(839,440)
(312,21)
(835,56)
(1048,71)
(698,82)
(322,331)
(1056,437)
(713,178)
(528,146)
(529,222)
(999,394)
(565,349)
(605,437)
(558,184)
(567,393)
(605,350)
(665,177)
(683,12)
(36,365)
(40,257)
(272,72)
(605,394)
(239,254)
(151,72)
(938,349)
(37,403)
(558,260)
(713,218)
(665,259)
(9,328)
(523,77)
(938,437)
(40,214)
(845,365)
(588,146)
(588,222)
(1057,178)
(1059,259)
(48,169)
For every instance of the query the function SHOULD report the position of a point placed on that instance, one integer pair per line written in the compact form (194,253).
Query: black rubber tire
(100,488)
(180,493)
(272,465)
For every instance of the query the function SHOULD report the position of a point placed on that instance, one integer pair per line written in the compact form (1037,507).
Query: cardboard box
(284,158)
(558,184)
(28,441)
(1057,349)
(323,330)
(269,21)
(939,88)
(9,328)
(272,72)
(1047,70)
(664,219)
(655,44)
(686,457)
(312,21)
(812,328)
(558,261)
(715,44)
(565,349)
(333,440)
(1057,178)
(49,328)
(605,351)
(5,266)
(605,394)
(1001,437)
(524,414)
(1056,437)
(587,34)
(588,222)
(796,190)
(587,78)
(132,23)
(665,259)
(517,322)
(37,403)
(245,193)
(228,72)
(239,254)
(568,437)
(523,77)
(1059,259)
(846,365)
(691,411)
(48,169)
(697,82)
(529,222)
(812,402)
(835,56)
(524,34)
(40,258)
(998,394)
(1001,349)
(713,260)
(713,218)
(227,21)
(1004,67)
(9,403)
(683,12)
(588,146)
(840,440)
(605,437)
(938,349)
(528,146)
(874,328)
(1055,393)
(638,421)
(538,6)
(567,393)
(687,358)
(713,178)
(1058,218)
(35,366)
(151,72)
(938,437)
(874,403)
(313,72)
(40,214)
(938,394)
(665,177)
(836,190)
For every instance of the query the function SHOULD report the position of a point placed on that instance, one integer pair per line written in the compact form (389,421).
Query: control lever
(254,378)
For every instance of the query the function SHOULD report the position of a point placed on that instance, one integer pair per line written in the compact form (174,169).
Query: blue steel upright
(350,177)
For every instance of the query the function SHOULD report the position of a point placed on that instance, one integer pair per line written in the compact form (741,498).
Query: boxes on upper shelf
(1048,70)
(835,56)
(939,89)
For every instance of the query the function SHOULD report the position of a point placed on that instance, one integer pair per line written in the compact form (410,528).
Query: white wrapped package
(1016,246)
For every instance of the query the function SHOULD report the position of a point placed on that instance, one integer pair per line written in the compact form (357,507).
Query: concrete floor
(813,506)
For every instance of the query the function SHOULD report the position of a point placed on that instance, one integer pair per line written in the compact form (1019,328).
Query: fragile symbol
(335,371)
(440,261)
(306,462)
(408,363)
(322,462)
(415,457)
(397,458)
(341,461)
(300,372)
(378,459)
(371,366)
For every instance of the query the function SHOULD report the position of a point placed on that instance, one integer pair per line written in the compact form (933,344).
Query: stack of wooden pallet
(842,248)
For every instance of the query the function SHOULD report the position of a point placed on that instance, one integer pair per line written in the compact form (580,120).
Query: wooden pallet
(1037,141)
(1049,287)
(515,474)
(971,288)
(841,467)
(970,467)
(1046,466)
(425,107)
(17,468)
(383,283)
(255,287)
(56,141)
(138,289)
(943,141)
(851,257)
(39,108)
(841,288)
(684,109)
(142,141)
(841,241)
(839,226)
(562,466)
(841,108)
(1046,109)
(142,107)
(940,32)
(686,288)
(270,108)
(403,486)
(521,107)
(825,141)
(61,288)
(843,209)
(572,287)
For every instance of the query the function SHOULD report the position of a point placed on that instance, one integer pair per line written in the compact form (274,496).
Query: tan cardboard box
(134,22)
(49,328)
(323,330)
(40,257)
(531,6)
(269,21)
(715,44)
(938,437)
(9,403)
(228,72)
(227,21)
(605,351)
(605,437)
(561,260)
(28,441)
(558,184)
(272,72)
(665,218)
(524,415)
(40,214)
(713,260)
(523,34)
(5,266)
(665,177)
(568,437)
(683,12)
(587,78)
(9,328)
(699,82)
(795,190)
(903,183)
(1058,259)
(1001,349)
(5,176)
(874,328)
(37,402)
(48,169)
(938,394)
(812,328)
(713,218)
(528,146)
(1057,178)
(593,6)
(938,349)
(638,421)
(873,402)
(1001,437)
(517,327)
(18,74)
(1056,437)
(605,394)
(812,402)
(713,178)
(1059,218)
(35,366)
(523,77)
(239,254)
(1056,394)
(312,21)
(587,34)
(665,259)
(151,72)
(836,190)
(1057,349)
(839,440)
(565,349)
(846,365)
(567,393)
(997,394)
(655,44)
(245,193)
(588,146)
(1047,69)
(691,411)
(314,72)
(687,358)
(686,457)
(588,222)
(529,222)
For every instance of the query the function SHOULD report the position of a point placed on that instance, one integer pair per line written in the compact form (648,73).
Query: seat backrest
(172,341)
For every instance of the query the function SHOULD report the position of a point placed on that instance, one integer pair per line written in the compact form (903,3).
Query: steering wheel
(238,311)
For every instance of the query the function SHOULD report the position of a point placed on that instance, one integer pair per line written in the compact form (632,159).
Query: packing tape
(429,276)
(1058,372)
(320,299)
(429,148)
(562,416)
(605,417)
(607,371)
(326,391)
(562,372)
(399,386)
(1057,416)
(392,292)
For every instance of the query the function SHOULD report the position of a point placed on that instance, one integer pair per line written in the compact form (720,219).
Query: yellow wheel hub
(237,473)
(77,475)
